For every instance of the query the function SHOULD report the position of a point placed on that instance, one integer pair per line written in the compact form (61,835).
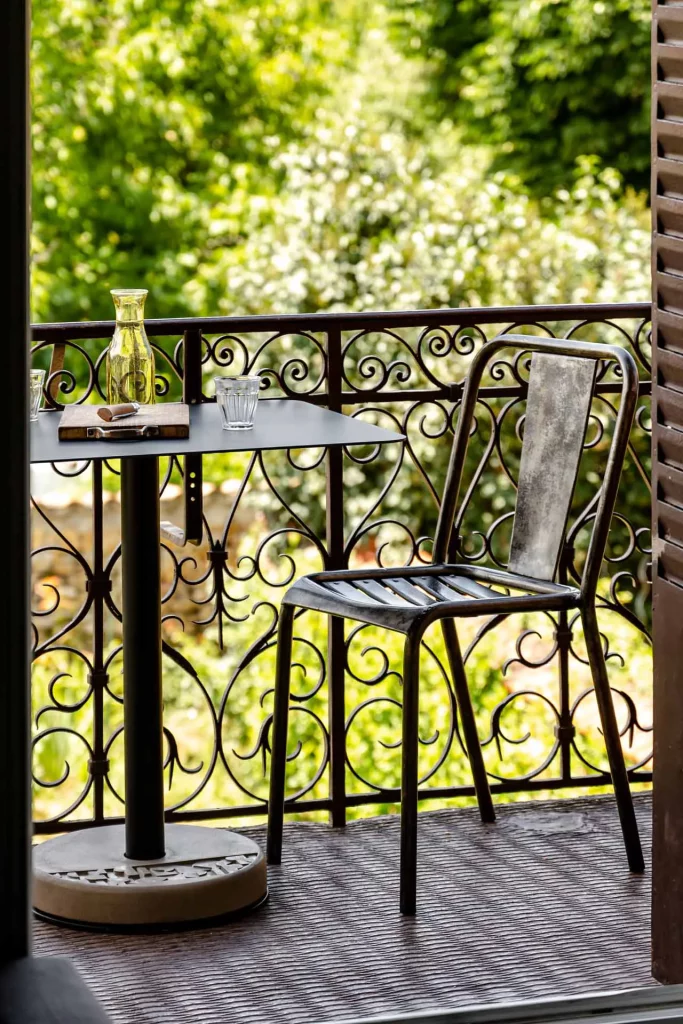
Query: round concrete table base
(84,878)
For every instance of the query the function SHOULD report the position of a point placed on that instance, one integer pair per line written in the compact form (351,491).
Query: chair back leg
(278,761)
(610,729)
(468,722)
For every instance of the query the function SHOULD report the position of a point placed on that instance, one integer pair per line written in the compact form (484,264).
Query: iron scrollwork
(265,522)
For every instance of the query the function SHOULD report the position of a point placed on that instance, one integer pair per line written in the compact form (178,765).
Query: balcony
(538,904)
(545,893)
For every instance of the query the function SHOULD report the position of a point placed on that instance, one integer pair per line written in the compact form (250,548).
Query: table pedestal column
(145,875)
(142,700)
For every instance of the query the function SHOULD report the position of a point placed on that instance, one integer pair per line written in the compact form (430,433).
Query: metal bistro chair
(560,390)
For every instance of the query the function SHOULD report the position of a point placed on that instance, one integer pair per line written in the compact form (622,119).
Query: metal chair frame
(410,599)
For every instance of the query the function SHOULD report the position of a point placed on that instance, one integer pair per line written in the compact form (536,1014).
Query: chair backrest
(557,408)
(560,391)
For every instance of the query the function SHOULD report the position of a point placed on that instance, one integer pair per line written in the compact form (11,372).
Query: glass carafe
(130,359)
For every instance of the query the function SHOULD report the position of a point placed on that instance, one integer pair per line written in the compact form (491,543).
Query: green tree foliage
(151,122)
(283,156)
(260,156)
(544,82)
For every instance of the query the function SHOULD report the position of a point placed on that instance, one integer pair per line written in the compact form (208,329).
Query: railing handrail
(591,311)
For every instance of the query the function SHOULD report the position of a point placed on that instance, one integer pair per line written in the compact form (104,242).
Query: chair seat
(396,598)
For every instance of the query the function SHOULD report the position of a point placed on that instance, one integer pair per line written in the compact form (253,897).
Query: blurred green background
(304,155)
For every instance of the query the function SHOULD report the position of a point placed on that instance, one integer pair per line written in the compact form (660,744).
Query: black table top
(279,423)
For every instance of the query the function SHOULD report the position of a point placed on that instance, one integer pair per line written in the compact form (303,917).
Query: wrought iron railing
(269,516)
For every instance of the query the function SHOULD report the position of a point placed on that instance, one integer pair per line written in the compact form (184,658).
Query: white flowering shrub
(368,218)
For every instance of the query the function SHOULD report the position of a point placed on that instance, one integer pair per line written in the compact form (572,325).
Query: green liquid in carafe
(130,379)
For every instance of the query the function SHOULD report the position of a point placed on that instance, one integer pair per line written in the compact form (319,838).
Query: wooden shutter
(667,472)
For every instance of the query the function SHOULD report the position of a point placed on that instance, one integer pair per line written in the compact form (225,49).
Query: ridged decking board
(539,904)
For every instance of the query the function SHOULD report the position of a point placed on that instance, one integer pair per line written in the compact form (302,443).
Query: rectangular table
(145,874)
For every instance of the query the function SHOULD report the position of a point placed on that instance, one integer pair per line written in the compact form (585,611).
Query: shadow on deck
(539,904)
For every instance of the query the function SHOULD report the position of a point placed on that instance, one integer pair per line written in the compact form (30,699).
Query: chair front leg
(409,771)
(469,725)
(336,678)
(278,760)
(610,729)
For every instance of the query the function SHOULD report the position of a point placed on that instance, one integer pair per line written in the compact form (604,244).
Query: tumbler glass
(37,382)
(237,398)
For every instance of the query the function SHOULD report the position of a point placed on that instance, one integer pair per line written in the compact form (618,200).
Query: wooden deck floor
(539,904)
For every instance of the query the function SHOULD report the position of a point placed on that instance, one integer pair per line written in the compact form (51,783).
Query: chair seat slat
(373,589)
(470,587)
(436,586)
(407,590)
(346,590)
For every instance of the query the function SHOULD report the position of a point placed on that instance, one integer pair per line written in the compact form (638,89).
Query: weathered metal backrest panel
(558,404)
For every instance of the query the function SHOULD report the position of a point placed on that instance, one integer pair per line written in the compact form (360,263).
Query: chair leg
(278,761)
(336,673)
(409,772)
(615,756)
(469,725)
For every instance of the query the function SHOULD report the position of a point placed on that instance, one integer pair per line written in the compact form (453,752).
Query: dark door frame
(15,769)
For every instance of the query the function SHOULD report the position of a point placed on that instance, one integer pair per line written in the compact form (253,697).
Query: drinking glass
(37,382)
(237,398)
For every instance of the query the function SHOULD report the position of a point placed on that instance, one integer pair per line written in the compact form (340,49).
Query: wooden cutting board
(167,419)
